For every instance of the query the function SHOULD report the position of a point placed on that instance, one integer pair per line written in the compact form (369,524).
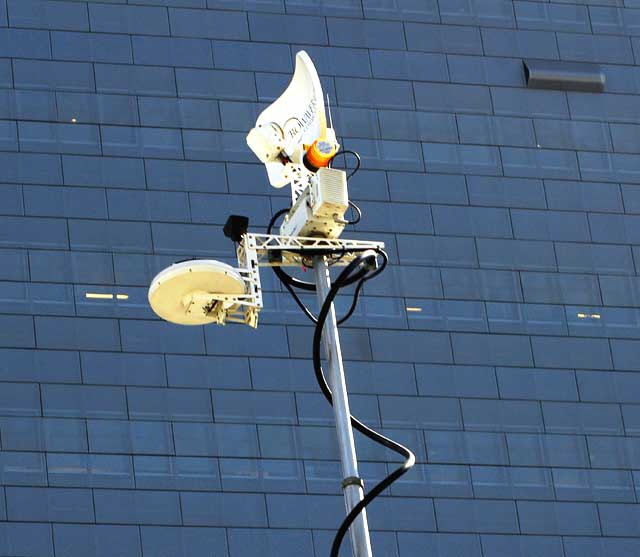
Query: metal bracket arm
(291,247)
(253,252)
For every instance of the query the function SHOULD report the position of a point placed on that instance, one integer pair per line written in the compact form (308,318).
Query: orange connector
(319,154)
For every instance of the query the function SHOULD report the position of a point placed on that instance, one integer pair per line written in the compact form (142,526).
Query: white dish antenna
(195,292)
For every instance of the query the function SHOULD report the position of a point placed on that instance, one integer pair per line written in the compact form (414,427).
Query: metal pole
(359,531)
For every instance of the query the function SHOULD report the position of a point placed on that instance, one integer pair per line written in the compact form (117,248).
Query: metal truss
(249,304)
(296,250)
(300,179)
(269,250)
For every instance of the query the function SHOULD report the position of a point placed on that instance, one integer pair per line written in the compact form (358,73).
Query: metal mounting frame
(300,178)
(254,250)
(291,246)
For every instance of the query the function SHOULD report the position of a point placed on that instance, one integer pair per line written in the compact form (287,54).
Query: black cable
(348,152)
(275,217)
(350,274)
(354,302)
(358,213)
(308,312)
(300,303)
(290,282)
(358,425)
(335,260)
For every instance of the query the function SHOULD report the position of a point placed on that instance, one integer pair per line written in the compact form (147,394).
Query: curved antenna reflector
(299,111)
(185,293)
(294,119)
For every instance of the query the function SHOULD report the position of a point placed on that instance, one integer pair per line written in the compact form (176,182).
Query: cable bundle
(363,268)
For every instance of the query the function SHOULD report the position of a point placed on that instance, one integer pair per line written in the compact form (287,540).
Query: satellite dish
(194,292)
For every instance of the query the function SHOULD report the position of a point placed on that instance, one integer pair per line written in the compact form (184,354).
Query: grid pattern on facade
(502,344)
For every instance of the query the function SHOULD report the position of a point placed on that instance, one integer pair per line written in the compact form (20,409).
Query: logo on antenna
(302,123)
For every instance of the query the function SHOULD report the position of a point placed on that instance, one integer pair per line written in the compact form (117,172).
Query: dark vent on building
(566,76)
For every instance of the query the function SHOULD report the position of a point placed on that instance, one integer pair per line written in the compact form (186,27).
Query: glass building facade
(502,345)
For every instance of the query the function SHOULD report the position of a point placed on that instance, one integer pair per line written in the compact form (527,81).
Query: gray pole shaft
(353,494)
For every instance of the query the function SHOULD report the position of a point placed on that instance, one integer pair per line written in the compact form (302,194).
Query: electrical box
(320,209)
(329,193)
